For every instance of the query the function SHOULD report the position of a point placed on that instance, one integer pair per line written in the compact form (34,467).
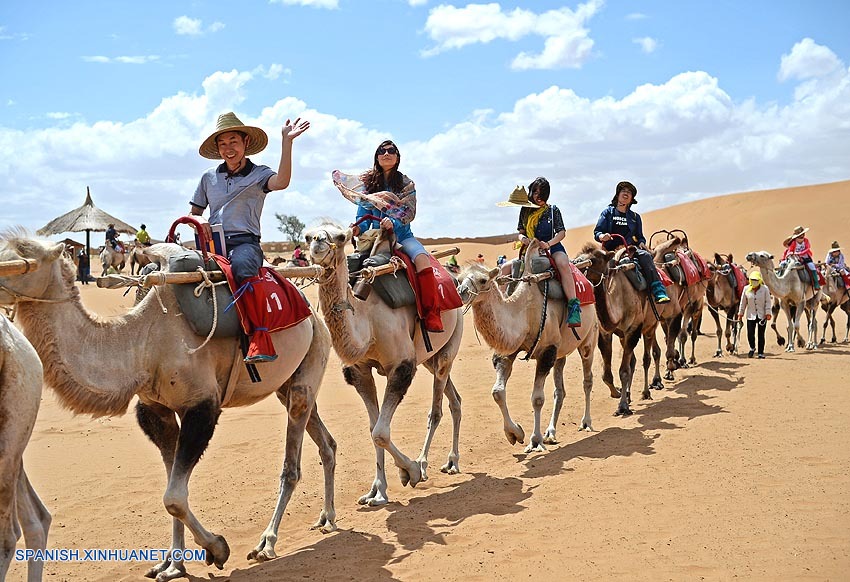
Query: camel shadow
(723,365)
(640,440)
(347,551)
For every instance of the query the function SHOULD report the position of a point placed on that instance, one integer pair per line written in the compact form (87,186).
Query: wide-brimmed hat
(835,246)
(519,197)
(229,122)
(797,232)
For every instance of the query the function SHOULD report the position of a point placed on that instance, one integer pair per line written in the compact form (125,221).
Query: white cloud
(417,2)
(275,71)
(184,25)
(132,60)
(636,16)
(566,44)
(59,115)
(332,4)
(647,44)
(678,140)
(808,60)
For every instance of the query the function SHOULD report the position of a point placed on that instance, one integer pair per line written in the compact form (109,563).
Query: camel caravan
(190,357)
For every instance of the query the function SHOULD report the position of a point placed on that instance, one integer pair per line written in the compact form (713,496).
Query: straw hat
(519,197)
(229,122)
(835,246)
(797,232)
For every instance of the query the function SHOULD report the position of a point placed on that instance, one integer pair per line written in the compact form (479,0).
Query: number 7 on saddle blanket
(266,303)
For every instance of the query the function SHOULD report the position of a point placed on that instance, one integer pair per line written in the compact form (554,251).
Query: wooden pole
(17,267)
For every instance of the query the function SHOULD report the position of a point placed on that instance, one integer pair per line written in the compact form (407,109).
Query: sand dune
(738,469)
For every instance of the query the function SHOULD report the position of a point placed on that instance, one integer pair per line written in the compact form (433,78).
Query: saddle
(584,290)
(803,272)
(268,303)
(686,268)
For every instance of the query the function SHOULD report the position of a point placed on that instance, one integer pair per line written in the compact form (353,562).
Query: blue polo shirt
(235,200)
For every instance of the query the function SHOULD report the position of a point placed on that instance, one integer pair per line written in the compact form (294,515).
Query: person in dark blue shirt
(619,219)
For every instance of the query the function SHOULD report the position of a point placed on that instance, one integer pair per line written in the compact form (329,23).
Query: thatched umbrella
(87,217)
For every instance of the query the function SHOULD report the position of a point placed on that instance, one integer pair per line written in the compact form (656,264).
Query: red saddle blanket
(447,295)
(584,290)
(664,277)
(740,279)
(266,304)
(695,269)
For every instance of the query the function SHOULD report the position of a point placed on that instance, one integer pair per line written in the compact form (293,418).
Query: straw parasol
(87,217)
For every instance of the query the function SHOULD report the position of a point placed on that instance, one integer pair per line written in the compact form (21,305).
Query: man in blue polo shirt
(235,190)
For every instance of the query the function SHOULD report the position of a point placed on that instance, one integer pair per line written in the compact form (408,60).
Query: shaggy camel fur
(834,296)
(369,335)
(510,324)
(170,383)
(20,396)
(794,297)
(627,313)
(721,296)
(110,257)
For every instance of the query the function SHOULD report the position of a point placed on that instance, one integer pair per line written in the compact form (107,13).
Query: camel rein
(21,297)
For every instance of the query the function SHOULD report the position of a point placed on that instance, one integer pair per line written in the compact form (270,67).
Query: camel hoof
(218,552)
(646,395)
(515,434)
(623,412)
(535,447)
(549,438)
(718,354)
(167,570)
(450,468)
(657,384)
(412,475)
(263,555)
(669,376)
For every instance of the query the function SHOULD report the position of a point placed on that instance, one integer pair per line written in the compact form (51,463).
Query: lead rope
(542,320)
(207,283)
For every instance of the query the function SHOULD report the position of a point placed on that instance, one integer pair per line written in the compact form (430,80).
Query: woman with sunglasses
(398,211)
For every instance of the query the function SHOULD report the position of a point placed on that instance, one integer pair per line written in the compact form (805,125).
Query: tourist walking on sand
(83,266)
(394,206)
(619,219)
(756,302)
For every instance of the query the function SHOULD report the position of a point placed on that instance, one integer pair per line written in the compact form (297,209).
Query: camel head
(17,244)
(599,259)
(666,246)
(327,244)
(761,259)
(476,279)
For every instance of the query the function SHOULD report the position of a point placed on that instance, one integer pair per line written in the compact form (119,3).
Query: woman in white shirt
(757,302)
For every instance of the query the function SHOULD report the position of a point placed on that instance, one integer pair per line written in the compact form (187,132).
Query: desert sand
(737,469)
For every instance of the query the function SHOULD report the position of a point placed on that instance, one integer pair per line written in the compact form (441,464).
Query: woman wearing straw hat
(835,259)
(543,221)
(798,245)
(236,189)
(756,301)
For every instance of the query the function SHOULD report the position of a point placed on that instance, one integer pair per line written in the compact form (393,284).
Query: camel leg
(452,466)
(846,308)
(605,349)
(647,360)
(780,341)
(435,415)
(504,365)
(650,337)
(812,317)
(327,454)
(9,531)
(697,320)
(35,523)
(627,370)
(160,425)
(398,382)
(545,362)
(549,437)
(298,395)
(586,353)
(673,328)
(361,378)
(715,314)
(197,425)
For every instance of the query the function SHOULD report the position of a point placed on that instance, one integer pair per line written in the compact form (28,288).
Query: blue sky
(685,99)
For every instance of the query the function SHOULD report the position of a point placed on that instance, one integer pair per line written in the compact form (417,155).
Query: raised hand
(291,130)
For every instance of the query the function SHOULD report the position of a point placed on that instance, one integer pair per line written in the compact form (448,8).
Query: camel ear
(609,255)
(55,252)
(493,273)
(348,235)
(729,256)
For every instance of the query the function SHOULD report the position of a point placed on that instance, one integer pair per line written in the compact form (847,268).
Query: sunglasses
(392,150)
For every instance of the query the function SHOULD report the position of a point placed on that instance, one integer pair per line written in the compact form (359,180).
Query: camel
(627,313)
(369,335)
(20,396)
(510,324)
(721,296)
(834,296)
(110,257)
(171,384)
(794,297)
(138,258)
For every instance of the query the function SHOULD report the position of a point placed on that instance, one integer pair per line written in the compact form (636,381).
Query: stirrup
(259,358)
